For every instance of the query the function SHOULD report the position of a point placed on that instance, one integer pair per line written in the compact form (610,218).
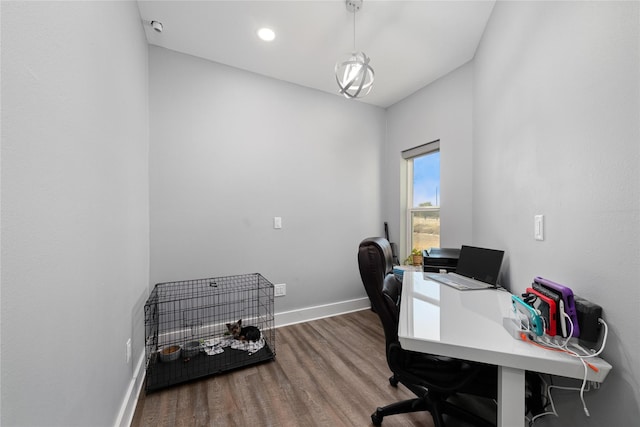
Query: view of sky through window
(426,179)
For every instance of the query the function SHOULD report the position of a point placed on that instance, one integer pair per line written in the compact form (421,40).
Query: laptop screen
(480,263)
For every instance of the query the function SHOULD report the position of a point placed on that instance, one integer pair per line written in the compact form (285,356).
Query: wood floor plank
(327,372)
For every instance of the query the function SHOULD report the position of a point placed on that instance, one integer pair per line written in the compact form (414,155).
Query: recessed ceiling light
(266,34)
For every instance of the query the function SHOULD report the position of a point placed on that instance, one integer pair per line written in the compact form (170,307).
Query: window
(423,196)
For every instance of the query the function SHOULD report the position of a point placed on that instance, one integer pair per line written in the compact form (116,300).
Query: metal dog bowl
(169,354)
(190,349)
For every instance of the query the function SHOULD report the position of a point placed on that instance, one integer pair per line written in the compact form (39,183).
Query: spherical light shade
(355,76)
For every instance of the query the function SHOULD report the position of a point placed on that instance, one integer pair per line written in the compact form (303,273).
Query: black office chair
(433,379)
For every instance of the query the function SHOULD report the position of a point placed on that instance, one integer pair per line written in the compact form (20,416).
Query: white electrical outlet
(277,222)
(128,350)
(280,290)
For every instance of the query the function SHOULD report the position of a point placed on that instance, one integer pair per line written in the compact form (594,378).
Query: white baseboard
(320,311)
(128,408)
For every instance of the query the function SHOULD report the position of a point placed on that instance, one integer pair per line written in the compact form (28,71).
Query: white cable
(549,401)
(553,407)
(573,353)
(570,334)
(604,339)
(584,364)
(581,357)
(584,383)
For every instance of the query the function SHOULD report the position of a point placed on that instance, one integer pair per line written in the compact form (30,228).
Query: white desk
(440,320)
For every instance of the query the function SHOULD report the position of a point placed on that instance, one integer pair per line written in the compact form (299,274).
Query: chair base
(393,380)
(437,408)
(403,407)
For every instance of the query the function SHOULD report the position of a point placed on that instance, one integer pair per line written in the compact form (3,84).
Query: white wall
(441,110)
(556,132)
(74,209)
(230,150)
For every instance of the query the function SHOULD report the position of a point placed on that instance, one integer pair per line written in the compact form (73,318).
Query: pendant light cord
(354,30)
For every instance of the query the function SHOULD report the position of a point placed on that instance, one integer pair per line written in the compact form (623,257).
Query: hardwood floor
(327,372)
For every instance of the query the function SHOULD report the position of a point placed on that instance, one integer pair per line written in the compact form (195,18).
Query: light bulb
(266,34)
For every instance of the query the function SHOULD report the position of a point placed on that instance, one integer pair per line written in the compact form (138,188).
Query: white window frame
(407,191)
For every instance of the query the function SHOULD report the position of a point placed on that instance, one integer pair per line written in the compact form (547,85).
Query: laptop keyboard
(457,281)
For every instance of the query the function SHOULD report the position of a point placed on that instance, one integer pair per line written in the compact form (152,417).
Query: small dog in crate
(248,333)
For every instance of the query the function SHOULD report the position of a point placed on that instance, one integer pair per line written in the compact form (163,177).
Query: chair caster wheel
(393,381)
(376,419)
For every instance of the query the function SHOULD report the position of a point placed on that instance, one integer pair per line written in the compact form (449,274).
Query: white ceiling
(410,43)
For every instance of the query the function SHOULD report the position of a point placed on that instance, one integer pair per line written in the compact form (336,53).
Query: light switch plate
(538,227)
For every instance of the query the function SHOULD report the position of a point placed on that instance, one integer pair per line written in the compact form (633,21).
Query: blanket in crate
(217,345)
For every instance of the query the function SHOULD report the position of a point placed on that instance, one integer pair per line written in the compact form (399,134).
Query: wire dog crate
(186,329)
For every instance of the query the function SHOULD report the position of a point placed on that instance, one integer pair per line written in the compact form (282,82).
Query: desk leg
(511,389)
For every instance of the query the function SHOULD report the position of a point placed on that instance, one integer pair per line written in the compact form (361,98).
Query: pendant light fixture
(354,75)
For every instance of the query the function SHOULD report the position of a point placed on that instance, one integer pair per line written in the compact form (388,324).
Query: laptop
(477,268)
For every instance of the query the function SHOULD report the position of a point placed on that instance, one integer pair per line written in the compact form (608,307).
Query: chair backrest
(375,260)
